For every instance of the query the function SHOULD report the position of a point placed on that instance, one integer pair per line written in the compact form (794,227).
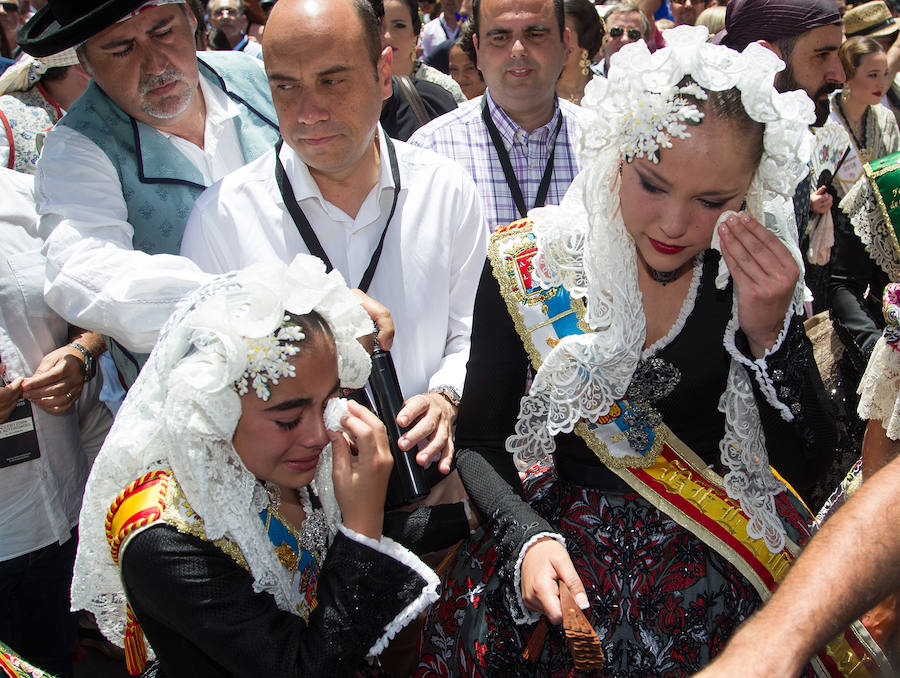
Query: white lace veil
(583,245)
(183,409)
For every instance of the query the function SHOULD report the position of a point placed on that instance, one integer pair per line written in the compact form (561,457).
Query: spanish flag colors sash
(665,472)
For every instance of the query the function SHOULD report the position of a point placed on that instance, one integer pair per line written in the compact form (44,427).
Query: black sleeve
(201,615)
(495,383)
(852,271)
(428,528)
(801,450)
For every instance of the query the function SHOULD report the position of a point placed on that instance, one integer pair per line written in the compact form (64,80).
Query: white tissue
(335,410)
(723,274)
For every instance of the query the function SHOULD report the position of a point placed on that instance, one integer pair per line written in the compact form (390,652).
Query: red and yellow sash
(667,473)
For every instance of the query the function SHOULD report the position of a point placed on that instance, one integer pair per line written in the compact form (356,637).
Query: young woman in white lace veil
(664,375)
(224,528)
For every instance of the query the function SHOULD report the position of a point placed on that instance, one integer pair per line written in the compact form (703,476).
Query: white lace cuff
(758,367)
(879,388)
(520,613)
(429,594)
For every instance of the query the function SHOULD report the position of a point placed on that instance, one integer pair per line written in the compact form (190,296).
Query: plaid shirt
(462,135)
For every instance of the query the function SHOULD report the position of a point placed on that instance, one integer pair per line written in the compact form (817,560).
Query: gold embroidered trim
(510,296)
(193,524)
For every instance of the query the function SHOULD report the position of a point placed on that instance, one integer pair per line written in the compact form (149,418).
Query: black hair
(312,324)
(558,10)
(464,42)
(414,17)
(371,13)
(727,105)
(588,25)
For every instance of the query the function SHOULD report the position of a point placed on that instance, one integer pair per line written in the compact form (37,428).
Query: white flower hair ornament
(640,106)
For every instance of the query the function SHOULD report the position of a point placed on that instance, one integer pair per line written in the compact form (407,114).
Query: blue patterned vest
(159,184)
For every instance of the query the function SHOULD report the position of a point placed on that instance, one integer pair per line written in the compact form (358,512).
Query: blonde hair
(854,49)
(713,18)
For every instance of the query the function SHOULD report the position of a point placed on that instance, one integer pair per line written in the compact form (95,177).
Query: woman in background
(401,26)
(586,34)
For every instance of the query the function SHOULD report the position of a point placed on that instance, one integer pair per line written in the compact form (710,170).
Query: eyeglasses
(10,7)
(618,31)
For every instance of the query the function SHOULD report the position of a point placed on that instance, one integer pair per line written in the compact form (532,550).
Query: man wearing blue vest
(119,174)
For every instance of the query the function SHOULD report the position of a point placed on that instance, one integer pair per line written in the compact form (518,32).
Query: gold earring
(584,62)
(845,93)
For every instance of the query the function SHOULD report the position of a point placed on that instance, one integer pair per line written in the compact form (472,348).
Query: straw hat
(873,20)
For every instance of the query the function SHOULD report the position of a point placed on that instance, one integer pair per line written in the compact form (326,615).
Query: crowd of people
(472,338)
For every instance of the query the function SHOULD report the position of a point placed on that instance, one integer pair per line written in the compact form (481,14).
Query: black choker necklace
(664,277)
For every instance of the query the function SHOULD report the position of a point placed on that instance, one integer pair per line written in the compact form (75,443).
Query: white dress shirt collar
(306,188)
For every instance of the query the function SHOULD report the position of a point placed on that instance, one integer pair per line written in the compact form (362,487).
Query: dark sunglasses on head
(9,7)
(617,31)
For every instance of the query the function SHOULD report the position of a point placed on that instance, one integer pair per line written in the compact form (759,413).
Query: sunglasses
(9,7)
(618,31)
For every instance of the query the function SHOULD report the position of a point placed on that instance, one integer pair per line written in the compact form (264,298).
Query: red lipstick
(664,248)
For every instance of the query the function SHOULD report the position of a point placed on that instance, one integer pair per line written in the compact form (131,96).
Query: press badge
(18,439)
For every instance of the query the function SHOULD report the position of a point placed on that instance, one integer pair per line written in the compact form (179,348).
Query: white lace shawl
(879,388)
(583,245)
(874,231)
(181,414)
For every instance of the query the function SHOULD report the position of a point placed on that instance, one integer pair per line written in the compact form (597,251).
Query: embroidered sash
(657,465)
(884,178)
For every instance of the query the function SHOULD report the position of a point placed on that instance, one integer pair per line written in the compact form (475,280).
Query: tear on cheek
(335,410)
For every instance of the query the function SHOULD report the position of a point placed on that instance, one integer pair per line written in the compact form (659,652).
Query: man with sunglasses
(517,140)
(625,23)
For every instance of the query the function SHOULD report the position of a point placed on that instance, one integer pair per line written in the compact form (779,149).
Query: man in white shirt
(44,365)
(445,27)
(329,77)
(119,173)
(228,19)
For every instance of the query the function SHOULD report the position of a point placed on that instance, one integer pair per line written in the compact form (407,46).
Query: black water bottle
(407,483)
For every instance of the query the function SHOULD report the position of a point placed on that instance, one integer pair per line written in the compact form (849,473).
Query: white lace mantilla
(181,414)
(874,231)
(584,247)
(879,388)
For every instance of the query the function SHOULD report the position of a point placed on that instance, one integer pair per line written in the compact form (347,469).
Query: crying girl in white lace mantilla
(232,524)
(658,316)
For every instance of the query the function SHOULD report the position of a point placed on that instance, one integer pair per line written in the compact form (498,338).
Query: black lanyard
(306,230)
(511,181)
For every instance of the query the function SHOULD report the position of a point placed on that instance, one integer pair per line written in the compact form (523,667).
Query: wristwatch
(90,365)
(450,393)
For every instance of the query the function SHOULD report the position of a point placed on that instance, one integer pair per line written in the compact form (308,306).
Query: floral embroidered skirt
(662,603)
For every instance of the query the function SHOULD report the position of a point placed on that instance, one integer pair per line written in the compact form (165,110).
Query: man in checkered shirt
(519,122)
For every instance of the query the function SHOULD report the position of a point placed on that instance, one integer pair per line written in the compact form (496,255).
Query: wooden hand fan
(587,653)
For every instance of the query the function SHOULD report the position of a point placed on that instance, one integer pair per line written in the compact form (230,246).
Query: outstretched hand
(546,562)
(764,274)
(361,469)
